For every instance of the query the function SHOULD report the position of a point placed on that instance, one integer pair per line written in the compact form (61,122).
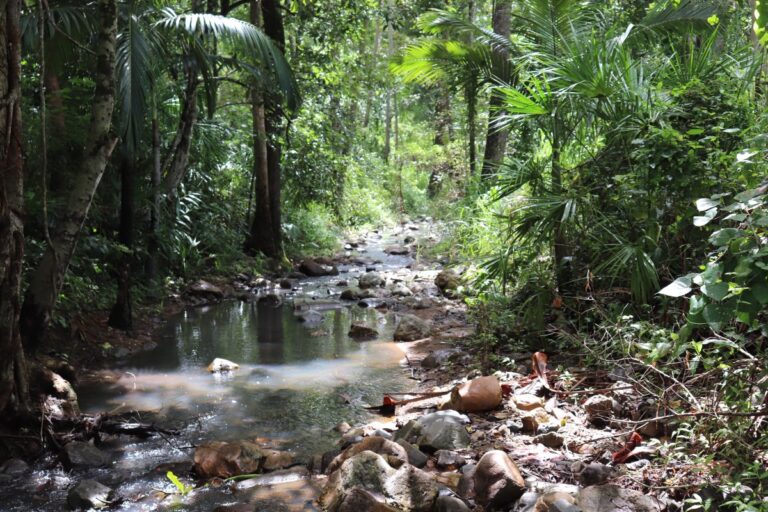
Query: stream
(296,381)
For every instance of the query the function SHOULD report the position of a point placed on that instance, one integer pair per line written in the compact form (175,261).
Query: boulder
(14,467)
(219,365)
(272,300)
(612,498)
(358,500)
(203,288)
(351,294)
(498,482)
(448,459)
(412,489)
(88,494)
(450,504)
(477,395)
(394,454)
(412,328)
(361,332)
(436,359)
(550,440)
(313,268)
(78,454)
(370,280)
(275,459)
(366,470)
(416,457)
(400,290)
(594,473)
(599,409)
(397,250)
(443,430)
(223,460)
(448,282)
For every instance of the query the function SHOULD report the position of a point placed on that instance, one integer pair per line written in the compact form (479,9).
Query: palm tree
(461,63)
(140,50)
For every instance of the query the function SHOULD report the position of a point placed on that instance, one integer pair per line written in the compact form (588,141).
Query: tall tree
(13,381)
(47,278)
(496,136)
(268,240)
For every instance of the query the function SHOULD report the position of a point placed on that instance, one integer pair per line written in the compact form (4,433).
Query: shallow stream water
(296,381)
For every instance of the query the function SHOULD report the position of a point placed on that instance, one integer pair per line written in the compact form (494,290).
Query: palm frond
(679,15)
(239,33)
(134,79)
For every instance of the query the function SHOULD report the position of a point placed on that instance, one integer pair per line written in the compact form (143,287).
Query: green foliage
(732,286)
(183,488)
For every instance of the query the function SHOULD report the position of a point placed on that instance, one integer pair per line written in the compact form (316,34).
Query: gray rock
(397,250)
(595,474)
(498,482)
(370,280)
(383,433)
(450,504)
(412,489)
(437,358)
(351,294)
(416,457)
(78,454)
(443,430)
(448,458)
(612,498)
(314,269)
(550,440)
(400,290)
(599,408)
(88,494)
(394,454)
(357,500)
(360,332)
(412,328)
(205,289)
(14,467)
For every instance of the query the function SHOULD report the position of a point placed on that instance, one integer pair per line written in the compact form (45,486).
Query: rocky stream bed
(348,385)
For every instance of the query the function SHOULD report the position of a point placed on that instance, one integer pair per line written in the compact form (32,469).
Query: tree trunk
(266,228)
(390,90)
(374,65)
(46,281)
(178,160)
(471,93)
(121,316)
(273,27)
(13,377)
(153,240)
(496,139)
(443,117)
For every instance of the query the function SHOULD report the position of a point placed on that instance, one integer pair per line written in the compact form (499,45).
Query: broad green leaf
(722,237)
(677,288)
(760,291)
(703,220)
(705,204)
(716,315)
(715,291)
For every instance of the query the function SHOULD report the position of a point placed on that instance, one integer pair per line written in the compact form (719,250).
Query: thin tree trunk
(121,316)
(471,93)
(390,91)
(443,117)
(13,373)
(153,242)
(496,139)
(46,281)
(374,65)
(176,166)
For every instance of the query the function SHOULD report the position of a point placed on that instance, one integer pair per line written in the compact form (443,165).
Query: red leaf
(506,390)
(622,455)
